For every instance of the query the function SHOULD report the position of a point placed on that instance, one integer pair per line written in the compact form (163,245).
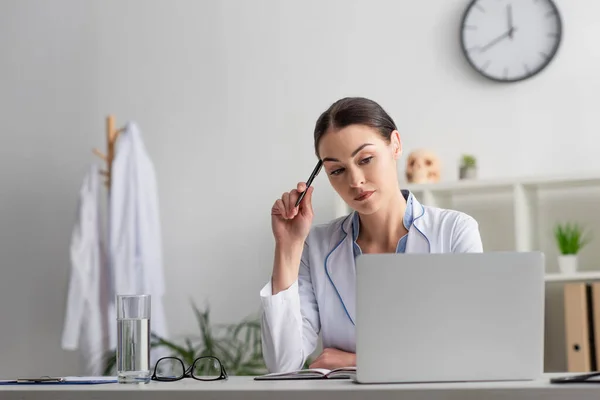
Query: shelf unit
(524,193)
(578,276)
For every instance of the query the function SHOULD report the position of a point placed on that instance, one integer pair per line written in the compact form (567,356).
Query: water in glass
(133,350)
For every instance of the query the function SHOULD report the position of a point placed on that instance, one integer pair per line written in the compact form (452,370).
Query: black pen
(310,179)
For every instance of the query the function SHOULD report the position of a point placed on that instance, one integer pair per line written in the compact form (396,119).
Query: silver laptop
(449,317)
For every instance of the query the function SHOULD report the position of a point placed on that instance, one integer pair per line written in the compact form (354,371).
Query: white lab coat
(84,326)
(322,300)
(135,244)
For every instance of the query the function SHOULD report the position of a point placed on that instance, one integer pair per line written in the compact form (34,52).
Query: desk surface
(248,389)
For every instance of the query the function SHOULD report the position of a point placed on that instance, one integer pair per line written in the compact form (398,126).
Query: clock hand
(509,20)
(498,39)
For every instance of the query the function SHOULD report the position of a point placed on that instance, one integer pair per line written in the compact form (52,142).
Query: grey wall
(226,94)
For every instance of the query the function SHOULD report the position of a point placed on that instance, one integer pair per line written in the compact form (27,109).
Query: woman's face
(361,166)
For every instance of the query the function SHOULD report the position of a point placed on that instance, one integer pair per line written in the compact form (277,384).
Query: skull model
(422,166)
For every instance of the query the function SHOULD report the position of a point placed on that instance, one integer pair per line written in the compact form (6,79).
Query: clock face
(510,40)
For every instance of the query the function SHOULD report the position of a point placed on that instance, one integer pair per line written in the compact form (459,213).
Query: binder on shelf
(595,304)
(580,338)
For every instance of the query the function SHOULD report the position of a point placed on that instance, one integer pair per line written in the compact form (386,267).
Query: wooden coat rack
(111,137)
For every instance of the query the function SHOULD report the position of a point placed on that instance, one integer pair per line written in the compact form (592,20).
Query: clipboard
(579,378)
(61,380)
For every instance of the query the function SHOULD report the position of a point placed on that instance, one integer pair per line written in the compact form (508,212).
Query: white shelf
(578,276)
(523,190)
(503,185)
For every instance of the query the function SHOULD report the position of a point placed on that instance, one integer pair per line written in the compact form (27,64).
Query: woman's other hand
(333,358)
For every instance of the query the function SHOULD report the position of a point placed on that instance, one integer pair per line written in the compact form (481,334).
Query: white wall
(226,94)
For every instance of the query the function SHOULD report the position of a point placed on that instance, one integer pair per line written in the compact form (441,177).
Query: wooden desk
(247,389)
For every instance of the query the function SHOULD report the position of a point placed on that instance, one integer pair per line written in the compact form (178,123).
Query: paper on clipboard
(60,380)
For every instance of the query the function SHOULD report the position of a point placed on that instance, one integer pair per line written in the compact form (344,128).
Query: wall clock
(510,40)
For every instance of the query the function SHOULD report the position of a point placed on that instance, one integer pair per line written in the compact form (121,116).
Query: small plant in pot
(468,167)
(570,239)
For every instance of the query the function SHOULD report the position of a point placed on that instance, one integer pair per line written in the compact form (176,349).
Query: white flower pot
(467,173)
(567,263)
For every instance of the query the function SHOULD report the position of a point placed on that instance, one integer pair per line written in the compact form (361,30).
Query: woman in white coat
(312,288)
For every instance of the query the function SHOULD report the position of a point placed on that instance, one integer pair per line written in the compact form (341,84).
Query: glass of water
(133,338)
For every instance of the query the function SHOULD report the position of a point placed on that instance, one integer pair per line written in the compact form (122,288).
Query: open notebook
(311,373)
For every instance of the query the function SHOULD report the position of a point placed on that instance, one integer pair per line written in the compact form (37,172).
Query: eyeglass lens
(169,368)
(207,368)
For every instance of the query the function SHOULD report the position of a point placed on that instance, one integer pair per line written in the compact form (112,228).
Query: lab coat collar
(340,266)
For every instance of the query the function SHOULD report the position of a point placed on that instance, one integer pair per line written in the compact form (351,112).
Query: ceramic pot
(567,263)
(468,173)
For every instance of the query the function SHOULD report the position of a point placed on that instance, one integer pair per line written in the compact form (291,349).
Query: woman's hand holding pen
(291,226)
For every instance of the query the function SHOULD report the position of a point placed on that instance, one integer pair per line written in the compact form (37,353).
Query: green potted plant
(468,167)
(570,239)
(237,345)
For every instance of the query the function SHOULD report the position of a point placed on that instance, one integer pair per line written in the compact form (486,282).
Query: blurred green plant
(468,161)
(237,346)
(570,238)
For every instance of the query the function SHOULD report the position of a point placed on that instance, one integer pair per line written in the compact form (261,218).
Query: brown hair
(350,111)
